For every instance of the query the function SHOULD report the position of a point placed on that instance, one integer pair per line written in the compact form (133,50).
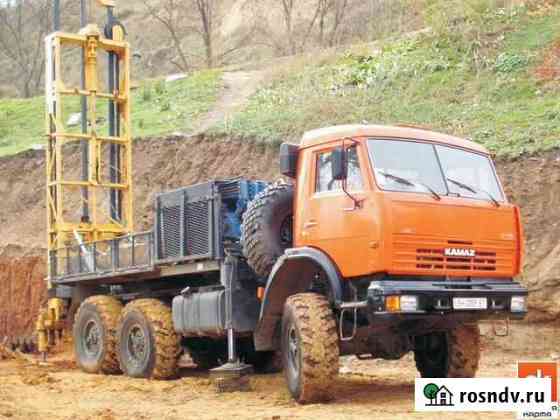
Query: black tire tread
(255,244)
(463,354)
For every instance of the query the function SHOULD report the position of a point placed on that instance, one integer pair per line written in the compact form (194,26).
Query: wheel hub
(92,338)
(137,345)
(286,231)
(293,350)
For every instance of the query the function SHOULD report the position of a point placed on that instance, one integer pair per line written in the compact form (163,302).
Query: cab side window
(324,181)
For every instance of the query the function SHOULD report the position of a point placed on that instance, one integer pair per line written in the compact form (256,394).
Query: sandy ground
(365,389)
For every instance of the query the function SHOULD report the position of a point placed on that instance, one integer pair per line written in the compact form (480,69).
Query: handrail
(118,255)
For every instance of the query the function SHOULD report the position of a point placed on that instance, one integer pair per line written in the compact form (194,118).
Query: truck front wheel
(148,344)
(95,338)
(310,349)
(449,354)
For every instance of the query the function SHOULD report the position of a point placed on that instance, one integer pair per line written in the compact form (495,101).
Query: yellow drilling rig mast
(95,204)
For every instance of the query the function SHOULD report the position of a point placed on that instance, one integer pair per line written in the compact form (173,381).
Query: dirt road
(365,389)
(238,87)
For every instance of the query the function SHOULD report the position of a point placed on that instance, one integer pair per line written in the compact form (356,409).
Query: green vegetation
(473,76)
(157,108)
(478,74)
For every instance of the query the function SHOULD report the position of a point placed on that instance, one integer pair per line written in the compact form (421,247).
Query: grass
(157,108)
(479,86)
(478,80)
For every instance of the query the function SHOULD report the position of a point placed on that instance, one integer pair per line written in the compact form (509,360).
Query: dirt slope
(162,164)
(238,87)
(534,183)
(159,164)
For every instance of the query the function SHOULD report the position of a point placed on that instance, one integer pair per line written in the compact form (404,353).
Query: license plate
(470,303)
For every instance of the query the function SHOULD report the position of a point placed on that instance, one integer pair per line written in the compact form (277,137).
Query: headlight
(518,304)
(405,303)
(409,303)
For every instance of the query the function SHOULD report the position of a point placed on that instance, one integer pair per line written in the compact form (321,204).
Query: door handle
(356,205)
(310,224)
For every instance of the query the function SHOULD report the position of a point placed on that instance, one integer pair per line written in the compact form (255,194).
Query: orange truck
(387,240)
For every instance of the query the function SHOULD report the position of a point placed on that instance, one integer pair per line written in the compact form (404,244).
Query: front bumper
(436,298)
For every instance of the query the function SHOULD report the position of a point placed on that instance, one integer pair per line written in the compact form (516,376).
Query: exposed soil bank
(22,291)
(534,184)
(165,163)
(159,165)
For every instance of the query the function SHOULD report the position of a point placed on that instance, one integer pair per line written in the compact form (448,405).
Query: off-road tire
(266,231)
(310,351)
(95,335)
(457,357)
(148,345)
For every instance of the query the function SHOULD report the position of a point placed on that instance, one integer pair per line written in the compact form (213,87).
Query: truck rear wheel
(449,354)
(267,227)
(310,350)
(95,338)
(148,344)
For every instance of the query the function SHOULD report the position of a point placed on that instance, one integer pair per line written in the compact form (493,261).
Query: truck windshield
(446,170)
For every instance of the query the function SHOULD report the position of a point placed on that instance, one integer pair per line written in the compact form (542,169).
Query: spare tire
(267,227)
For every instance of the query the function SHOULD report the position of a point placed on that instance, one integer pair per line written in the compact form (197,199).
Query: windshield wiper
(410,183)
(474,190)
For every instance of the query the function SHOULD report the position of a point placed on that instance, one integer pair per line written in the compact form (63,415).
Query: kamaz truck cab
(403,239)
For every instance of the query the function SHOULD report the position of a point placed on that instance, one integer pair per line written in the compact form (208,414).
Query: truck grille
(434,259)
(424,254)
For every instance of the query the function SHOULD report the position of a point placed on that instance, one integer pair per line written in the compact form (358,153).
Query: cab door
(330,220)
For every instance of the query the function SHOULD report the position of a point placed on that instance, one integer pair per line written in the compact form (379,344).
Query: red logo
(540,370)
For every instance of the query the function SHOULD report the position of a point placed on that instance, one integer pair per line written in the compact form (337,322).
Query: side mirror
(289,159)
(338,164)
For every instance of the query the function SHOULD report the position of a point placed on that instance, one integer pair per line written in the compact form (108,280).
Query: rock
(74,119)
(175,77)
(344,370)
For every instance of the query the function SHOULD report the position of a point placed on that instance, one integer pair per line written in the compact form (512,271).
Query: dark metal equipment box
(194,223)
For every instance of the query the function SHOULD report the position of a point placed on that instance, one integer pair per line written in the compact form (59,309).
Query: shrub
(160,88)
(510,62)
(146,93)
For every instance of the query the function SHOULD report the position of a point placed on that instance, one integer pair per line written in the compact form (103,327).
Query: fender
(293,273)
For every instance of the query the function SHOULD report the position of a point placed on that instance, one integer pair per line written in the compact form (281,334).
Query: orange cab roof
(324,135)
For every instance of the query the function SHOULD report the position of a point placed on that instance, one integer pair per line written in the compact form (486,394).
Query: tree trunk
(209,51)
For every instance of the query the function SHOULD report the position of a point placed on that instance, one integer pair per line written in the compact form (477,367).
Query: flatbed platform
(193,226)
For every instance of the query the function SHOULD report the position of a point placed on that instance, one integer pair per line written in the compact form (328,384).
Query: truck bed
(193,227)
